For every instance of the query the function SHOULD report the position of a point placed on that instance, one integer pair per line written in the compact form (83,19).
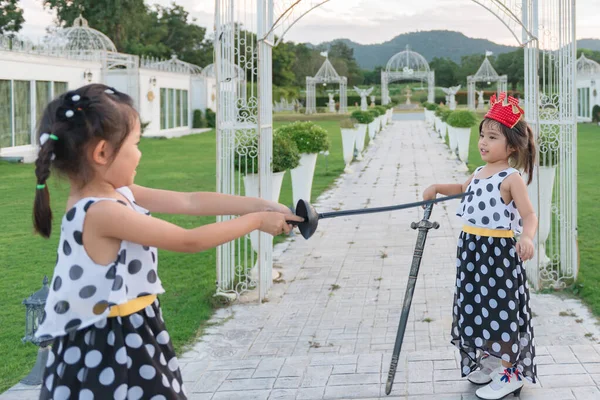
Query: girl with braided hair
(102,311)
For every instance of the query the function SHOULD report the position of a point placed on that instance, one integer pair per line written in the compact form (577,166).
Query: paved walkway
(328,329)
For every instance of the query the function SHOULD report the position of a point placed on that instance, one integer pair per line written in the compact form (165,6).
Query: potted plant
(310,139)
(548,159)
(459,125)
(444,114)
(438,121)
(363,118)
(373,125)
(429,112)
(285,156)
(383,120)
(349,127)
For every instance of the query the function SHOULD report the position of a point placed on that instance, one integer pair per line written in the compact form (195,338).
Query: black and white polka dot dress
(93,356)
(491,310)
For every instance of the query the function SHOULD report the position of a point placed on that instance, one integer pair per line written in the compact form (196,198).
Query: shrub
(446,112)
(596,113)
(348,123)
(285,154)
(309,137)
(363,117)
(211,118)
(439,110)
(381,109)
(462,119)
(374,112)
(431,106)
(197,120)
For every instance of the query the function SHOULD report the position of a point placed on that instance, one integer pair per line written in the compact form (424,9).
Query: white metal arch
(326,74)
(485,73)
(550,109)
(407,65)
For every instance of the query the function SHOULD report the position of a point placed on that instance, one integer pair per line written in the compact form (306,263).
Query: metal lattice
(326,74)
(485,73)
(407,65)
(549,105)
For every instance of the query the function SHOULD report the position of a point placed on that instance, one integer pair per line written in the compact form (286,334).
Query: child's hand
(275,223)
(429,193)
(525,248)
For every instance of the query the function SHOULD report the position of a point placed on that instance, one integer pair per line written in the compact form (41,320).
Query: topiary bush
(211,118)
(596,113)
(446,112)
(431,106)
(462,119)
(363,117)
(374,112)
(285,154)
(197,120)
(308,136)
(381,109)
(348,123)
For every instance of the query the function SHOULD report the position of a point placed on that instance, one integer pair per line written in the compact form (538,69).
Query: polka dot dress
(93,356)
(492,311)
(116,358)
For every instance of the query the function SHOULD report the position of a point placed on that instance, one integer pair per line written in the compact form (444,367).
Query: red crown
(505,109)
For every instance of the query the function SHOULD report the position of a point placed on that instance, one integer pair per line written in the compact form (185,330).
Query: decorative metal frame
(588,77)
(485,73)
(326,74)
(545,29)
(407,65)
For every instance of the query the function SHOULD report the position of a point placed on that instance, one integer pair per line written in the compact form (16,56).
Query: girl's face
(123,169)
(492,144)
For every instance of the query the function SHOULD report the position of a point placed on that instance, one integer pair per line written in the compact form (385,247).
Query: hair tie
(45,136)
(40,186)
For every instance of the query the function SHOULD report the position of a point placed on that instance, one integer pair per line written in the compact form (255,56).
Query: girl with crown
(492,317)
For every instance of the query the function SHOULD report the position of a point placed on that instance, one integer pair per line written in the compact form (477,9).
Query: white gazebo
(326,74)
(485,73)
(588,76)
(407,66)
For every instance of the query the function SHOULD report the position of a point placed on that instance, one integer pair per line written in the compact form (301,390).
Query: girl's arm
(447,189)
(201,203)
(112,220)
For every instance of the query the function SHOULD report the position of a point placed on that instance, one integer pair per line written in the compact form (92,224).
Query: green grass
(183,164)
(588,215)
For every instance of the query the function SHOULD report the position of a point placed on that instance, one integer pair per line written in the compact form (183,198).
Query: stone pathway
(328,330)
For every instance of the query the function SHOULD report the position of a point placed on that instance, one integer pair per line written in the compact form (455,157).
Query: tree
(342,58)
(591,54)
(445,71)
(469,66)
(123,21)
(372,77)
(284,58)
(11,17)
(513,65)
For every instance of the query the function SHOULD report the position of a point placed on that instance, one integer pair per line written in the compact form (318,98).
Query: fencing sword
(423,226)
(311,217)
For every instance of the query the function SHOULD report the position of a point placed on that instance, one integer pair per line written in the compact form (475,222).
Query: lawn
(183,164)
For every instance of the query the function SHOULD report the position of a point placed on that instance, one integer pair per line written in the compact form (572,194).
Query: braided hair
(69,125)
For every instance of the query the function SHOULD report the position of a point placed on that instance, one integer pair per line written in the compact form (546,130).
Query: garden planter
(546,180)
(452,139)
(302,177)
(360,140)
(348,141)
(372,131)
(463,136)
(251,190)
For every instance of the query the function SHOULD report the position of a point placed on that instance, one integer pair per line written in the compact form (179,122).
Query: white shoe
(484,375)
(489,367)
(502,385)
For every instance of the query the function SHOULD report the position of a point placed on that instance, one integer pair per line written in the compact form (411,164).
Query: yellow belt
(499,233)
(132,306)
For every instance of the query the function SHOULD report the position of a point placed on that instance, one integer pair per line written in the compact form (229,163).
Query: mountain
(432,44)
(590,44)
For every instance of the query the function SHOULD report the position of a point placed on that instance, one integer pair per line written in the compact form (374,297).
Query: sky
(364,21)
